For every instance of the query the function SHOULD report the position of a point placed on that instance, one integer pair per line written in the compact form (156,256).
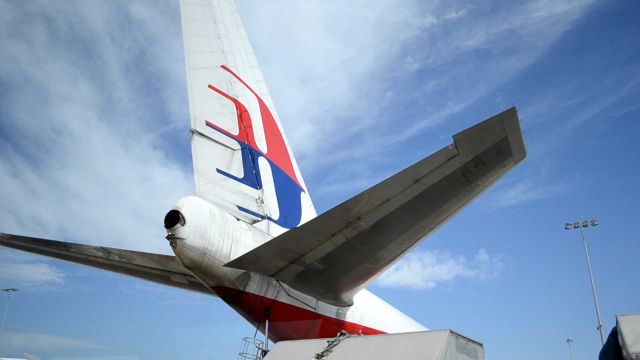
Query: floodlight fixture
(6,306)
(581,225)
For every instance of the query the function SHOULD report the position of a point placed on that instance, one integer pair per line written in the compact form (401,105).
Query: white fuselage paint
(211,237)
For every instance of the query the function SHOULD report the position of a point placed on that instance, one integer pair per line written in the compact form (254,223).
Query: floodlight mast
(569,341)
(581,225)
(6,307)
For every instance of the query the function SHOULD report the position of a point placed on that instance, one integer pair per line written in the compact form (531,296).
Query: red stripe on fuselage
(286,321)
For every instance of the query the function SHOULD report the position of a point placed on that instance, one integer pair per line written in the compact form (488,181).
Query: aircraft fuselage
(204,238)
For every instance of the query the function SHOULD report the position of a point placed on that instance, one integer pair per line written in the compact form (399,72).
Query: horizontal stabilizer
(336,254)
(158,268)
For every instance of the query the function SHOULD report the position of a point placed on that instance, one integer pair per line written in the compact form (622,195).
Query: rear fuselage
(206,237)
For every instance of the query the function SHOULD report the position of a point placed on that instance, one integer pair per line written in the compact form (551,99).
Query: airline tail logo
(287,185)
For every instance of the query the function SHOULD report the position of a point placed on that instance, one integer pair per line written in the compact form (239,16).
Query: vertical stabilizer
(241,157)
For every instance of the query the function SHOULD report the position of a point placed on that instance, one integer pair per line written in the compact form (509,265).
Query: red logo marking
(277,151)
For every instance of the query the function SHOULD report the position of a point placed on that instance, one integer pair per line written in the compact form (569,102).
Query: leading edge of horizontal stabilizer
(158,268)
(336,254)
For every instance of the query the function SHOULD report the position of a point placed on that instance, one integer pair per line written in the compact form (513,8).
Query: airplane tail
(241,157)
(339,252)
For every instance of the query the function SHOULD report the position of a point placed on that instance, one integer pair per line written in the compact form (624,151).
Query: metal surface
(250,189)
(629,335)
(426,345)
(158,268)
(569,341)
(581,225)
(252,349)
(241,158)
(6,307)
(336,254)
(593,287)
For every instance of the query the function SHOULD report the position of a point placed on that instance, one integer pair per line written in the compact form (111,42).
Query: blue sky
(94,149)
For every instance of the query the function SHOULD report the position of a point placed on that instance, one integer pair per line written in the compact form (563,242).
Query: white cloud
(20,270)
(525,191)
(34,272)
(85,152)
(93,132)
(569,105)
(429,269)
(37,342)
(331,76)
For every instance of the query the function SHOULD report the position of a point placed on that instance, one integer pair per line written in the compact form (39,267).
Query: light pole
(581,225)
(6,307)
(569,341)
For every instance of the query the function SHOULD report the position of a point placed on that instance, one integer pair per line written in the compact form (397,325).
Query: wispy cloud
(404,68)
(37,342)
(605,100)
(570,104)
(90,129)
(429,269)
(24,270)
(34,272)
(143,291)
(84,154)
(524,191)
